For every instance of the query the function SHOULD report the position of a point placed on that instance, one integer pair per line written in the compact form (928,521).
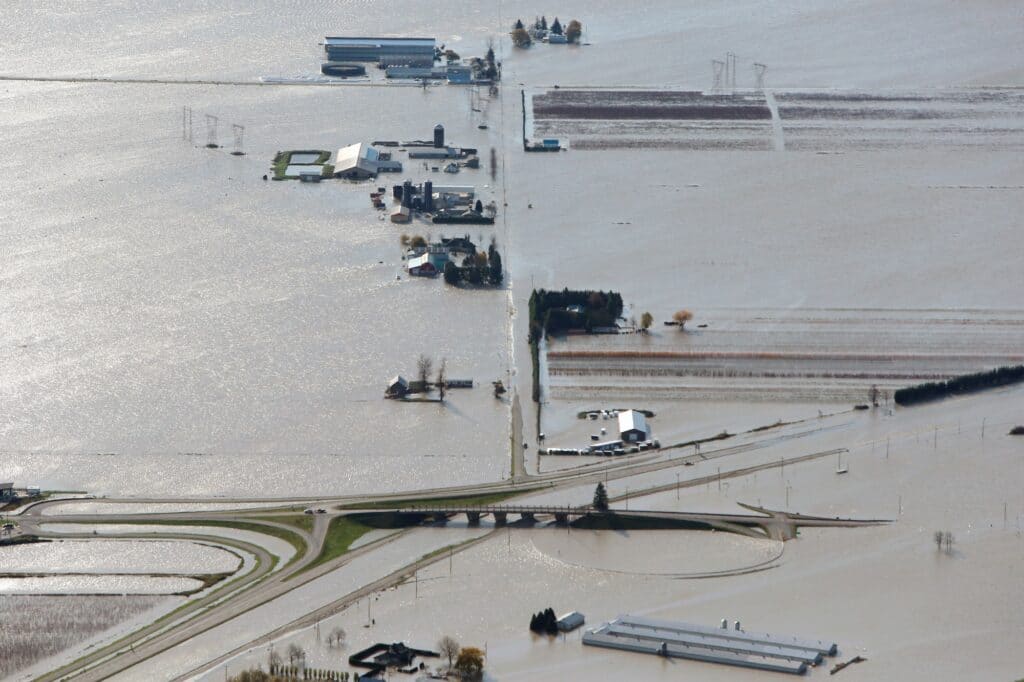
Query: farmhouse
(421,266)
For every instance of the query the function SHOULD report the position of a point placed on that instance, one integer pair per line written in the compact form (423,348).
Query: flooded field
(37,627)
(801,356)
(795,121)
(116,556)
(98,584)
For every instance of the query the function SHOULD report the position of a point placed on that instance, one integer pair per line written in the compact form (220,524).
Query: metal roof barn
(632,426)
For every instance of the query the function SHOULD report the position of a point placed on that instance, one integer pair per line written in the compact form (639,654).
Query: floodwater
(116,556)
(174,326)
(97,584)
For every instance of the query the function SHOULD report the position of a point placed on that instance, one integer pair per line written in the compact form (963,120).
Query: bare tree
(873,395)
(295,653)
(336,637)
(273,660)
(424,365)
(947,538)
(938,539)
(449,648)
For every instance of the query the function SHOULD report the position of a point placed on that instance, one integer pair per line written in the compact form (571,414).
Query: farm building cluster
(406,58)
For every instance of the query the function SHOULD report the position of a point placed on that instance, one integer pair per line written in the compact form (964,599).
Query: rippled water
(97,584)
(116,556)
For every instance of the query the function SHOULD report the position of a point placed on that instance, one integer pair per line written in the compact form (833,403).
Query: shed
(570,621)
(632,426)
(402,214)
(397,387)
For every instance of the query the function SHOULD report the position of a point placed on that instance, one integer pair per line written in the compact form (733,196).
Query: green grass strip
(341,533)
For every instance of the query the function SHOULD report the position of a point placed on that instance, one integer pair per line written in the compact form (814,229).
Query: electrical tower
(239,132)
(759,70)
(211,131)
(730,70)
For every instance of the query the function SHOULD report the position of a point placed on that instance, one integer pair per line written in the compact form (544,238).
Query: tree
(449,648)
(470,663)
(336,637)
(295,653)
(495,264)
(573,31)
(938,539)
(490,55)
(452,274)
(556,27)
(544,23)
(417,241)
(520,38)
(424,365)
(682,317)
(518,25)
(646,320)
(442,377)
(451,56)
(404,239)
(600,498)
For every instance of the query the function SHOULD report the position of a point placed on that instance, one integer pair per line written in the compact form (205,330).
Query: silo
(428,196)
(407,194)
(439,135)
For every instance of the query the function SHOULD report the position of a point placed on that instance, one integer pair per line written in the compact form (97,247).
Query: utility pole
(211,131)
(759,70)
(677,486)
(717,67)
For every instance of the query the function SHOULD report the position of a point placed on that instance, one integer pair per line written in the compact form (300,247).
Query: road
(212,610)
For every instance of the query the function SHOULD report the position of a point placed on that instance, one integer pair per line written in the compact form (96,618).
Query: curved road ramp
(758,650)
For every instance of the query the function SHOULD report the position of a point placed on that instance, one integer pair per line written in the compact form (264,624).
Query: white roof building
(632,426)
(356,161)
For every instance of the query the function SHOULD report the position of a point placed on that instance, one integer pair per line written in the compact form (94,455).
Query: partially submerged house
(633,426)
(398,387)
(421,266)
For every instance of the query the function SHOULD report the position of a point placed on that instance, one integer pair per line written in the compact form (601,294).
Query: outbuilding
(356,162)
(632,426)
(397,387)
(6,491)
(570,621)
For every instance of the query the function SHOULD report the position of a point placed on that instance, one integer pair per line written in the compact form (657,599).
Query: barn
(633,426)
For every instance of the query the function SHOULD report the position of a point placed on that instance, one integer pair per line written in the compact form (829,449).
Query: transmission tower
(759,70)
(717,67)
(211,131)
(239,132)
(730,70)
(186,123)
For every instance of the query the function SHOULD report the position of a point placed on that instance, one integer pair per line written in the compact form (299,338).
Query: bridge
(778,525)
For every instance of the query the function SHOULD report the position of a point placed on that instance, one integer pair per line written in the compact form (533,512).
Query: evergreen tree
(556,27)
(600,498)
(519,25)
